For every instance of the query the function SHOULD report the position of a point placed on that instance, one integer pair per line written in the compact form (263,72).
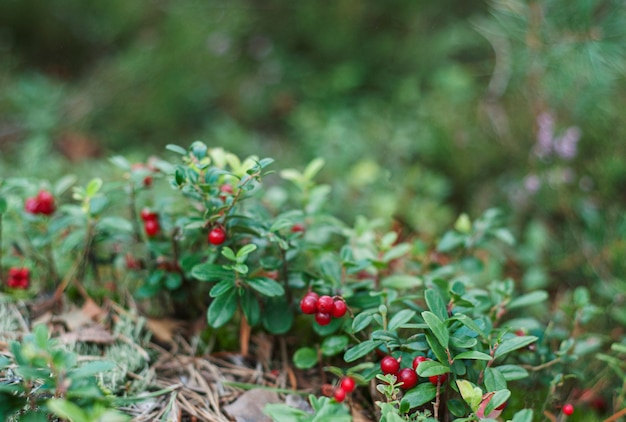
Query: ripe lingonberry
(19,278)
(389,365)
(217,236)
(325,304)
(31,205)
(46,204)
(147,215)
(152,227)
(226,189)
(308,304)
(297,228)
(418,360)
(409,377)
(339,308)
(322,318)
(568,409)
(315,295)
(347,384)
(340,394)
(438,379)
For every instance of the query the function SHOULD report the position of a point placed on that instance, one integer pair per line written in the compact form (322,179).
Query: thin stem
(437,399)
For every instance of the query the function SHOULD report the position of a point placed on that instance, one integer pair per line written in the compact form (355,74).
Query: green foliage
(46,380)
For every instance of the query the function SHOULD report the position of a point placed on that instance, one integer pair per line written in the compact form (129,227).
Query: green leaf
(435,346)
(494,380)
(305,358)
(277,316)
(512,372)
(229,253)
(360,350)
(524,415)
(3,205)
(115,225)
(221,288)
(245,251)
(330,268)
(471,394)
(93,187)
(222,308)
(514,343)
(266,286)
(437,327)
(67,410)
(435,303)
(120,162)
(420,395)
(499,398)
(250,306)
(175,148)
(396,252)
(450,240)
(505,236)
(211,272)
(334,345)
(90,369)
(469,323)
(528,299)
(361,322)
(400,319)
(401,281)
(173,280)
(313,168)
(428,368)
(473,354)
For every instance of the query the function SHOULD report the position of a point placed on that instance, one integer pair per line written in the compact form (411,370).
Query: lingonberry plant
(437,328)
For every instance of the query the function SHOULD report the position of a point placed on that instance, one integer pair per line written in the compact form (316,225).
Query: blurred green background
(422,110)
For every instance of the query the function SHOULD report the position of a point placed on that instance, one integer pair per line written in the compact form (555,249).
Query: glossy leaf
(222,308)
(437,327)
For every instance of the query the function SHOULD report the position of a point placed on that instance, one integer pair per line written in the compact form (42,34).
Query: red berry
(340,394)
(31,205)
(297,228)
(438,379)
(389,365)
(339,308)
(19,278)
(322,318)
(308,304)
(147,181)
(325,304)
(315,295)
(418,360)
(568,409)
(226,189)
(217,236)
(409,377)
(502,406)
(347,384)
(147,215)
(151,227)
(46,203)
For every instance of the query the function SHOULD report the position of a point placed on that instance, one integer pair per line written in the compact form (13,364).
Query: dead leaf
(93,311)
(94,333)
(249,406)
(163,329)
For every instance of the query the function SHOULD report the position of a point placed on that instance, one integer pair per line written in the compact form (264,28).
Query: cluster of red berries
(346,386)
(216,236)
(408,376)
(43,203)
(150,222)
(324,307)
(19,278)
